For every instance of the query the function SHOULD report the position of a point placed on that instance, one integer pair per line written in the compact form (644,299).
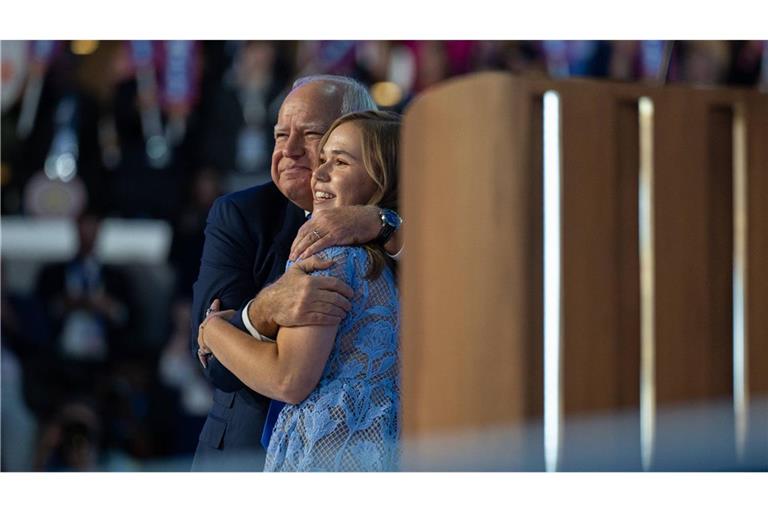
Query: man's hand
(344,225)
(297,299)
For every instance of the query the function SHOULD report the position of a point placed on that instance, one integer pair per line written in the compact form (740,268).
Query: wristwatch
(390,222)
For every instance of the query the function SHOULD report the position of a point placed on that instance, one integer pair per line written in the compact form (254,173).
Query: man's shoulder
(259,203)
(265,196)
(262,208)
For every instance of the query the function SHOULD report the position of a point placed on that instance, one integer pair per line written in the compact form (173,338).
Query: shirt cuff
(397,255)
(249,326)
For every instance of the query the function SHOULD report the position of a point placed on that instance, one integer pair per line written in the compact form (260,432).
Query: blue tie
(275,406)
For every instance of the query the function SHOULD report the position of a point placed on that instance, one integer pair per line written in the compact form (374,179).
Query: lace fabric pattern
(349,422)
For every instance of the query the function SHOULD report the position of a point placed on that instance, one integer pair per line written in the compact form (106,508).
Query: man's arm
(225,273)
(344,225)
(299,299)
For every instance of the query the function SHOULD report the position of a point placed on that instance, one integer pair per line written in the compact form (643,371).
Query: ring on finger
(314,232)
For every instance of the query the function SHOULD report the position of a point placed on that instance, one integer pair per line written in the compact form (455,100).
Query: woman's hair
(380,132)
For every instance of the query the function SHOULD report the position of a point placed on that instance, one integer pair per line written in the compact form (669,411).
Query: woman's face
(341,178)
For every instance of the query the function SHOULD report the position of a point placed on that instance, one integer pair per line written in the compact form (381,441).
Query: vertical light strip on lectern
(552,280)
(740,390)
(647,317)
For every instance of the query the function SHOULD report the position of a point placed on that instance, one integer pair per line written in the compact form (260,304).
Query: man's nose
(294,146)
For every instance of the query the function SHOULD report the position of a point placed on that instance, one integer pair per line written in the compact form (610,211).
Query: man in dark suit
(247,242)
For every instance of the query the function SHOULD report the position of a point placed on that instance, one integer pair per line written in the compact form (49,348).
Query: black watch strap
(390,222)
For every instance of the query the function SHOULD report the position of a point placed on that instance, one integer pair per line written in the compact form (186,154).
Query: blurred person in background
(238,132)
(148,127)
(140,414)
(203,189)
(18,426)
(704,62)
(178,371)
(519,57)
(746,61)
(19,345)
(71,441)
(247,242)
(176,368)
(581,58)
(436,61)
(24,341)
(337,57)
(89,308)
(624,61)
(341,381)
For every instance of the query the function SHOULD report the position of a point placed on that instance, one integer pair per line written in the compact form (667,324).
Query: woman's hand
(204,351)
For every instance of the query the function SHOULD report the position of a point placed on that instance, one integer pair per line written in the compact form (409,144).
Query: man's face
(304,117)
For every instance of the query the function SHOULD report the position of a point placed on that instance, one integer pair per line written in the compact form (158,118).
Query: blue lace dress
(349,422)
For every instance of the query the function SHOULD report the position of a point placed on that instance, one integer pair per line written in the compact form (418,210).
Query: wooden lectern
(662,334)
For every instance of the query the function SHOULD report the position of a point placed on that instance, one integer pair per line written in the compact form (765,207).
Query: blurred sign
(119,241)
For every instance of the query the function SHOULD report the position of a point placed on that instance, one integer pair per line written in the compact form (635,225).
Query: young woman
(341,383)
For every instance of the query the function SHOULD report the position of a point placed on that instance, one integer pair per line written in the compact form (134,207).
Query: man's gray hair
(356,97)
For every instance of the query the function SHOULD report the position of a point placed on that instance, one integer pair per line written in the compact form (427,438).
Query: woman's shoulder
(338,252)
(349,256)
(350,261)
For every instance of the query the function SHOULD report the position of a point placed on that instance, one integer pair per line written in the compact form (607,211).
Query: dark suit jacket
(247,240)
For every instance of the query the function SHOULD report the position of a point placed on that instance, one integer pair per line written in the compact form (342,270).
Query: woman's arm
(287,370)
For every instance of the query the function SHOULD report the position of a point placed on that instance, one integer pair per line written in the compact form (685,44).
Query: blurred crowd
(158,130)
(119,121)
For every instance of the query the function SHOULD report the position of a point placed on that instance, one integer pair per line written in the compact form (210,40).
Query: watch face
(391,218)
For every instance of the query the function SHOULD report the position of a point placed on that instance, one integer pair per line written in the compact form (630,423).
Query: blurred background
(113,151)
